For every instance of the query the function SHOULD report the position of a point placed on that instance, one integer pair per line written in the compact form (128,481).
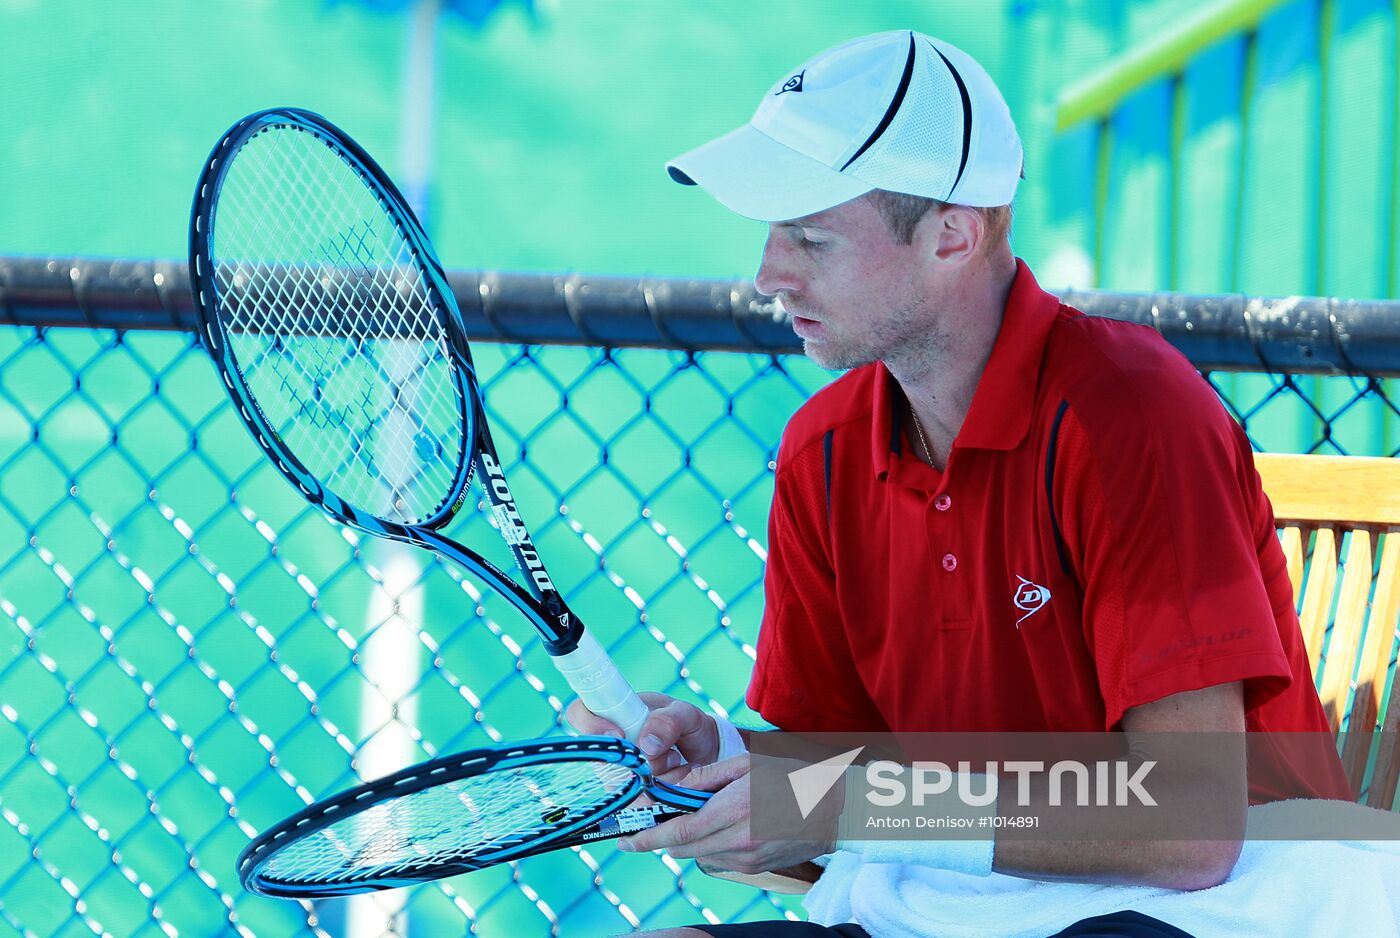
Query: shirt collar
(1001,407)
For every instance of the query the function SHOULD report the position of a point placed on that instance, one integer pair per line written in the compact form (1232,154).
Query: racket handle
(592,674)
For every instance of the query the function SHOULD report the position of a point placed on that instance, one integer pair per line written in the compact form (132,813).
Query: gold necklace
(928,453)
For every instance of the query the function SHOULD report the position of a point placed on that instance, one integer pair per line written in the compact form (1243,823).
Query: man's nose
(775,270)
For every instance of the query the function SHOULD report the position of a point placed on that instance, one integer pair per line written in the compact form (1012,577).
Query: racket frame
(540,602)
(473,763)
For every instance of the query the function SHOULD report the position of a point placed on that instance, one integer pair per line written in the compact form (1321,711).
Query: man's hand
(719,832)
(673,725)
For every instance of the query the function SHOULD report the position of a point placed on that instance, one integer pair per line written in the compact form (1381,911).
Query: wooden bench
(1339,522)
(1339,518)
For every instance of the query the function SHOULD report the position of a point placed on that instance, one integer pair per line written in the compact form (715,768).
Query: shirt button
(943,502)
(950,562)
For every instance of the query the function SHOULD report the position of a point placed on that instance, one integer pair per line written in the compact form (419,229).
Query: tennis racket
(461,813)
(330,321)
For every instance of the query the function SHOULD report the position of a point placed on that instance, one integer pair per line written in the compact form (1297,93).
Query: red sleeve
(804,679)
(1158,498)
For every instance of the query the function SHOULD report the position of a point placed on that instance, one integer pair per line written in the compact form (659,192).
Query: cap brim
(754,175)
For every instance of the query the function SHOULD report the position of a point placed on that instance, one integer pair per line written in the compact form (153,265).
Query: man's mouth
(792,312)
(806,327)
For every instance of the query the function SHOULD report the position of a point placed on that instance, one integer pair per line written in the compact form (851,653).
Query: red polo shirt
(1098,540)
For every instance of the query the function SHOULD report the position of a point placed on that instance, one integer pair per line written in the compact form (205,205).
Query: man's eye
(804,238)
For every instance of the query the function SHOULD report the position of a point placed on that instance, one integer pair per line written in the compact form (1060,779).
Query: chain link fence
(191,652)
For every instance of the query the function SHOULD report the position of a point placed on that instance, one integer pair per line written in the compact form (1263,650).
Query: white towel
(1278,888)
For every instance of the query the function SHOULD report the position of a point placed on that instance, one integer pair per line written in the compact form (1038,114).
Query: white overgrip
(592,674)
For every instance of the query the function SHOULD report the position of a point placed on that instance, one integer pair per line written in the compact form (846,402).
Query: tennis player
(1005,516)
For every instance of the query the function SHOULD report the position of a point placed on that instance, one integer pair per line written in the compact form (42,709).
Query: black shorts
(1116,925)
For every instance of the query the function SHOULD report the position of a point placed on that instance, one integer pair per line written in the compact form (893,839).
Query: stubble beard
(906,340)
(834,358)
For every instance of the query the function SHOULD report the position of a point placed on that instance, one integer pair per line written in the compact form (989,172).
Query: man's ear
(953,233)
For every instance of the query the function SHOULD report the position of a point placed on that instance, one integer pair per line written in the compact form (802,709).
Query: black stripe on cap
(967,121)
(894,105)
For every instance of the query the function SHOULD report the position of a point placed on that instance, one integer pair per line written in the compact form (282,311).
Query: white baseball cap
(899,111)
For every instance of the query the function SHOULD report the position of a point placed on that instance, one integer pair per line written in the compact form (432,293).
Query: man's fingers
(670,766)
(716,775)
(665,726)
(671,725)
(679,725)
(589,723)
(718,817)
(687,841)
(669,834)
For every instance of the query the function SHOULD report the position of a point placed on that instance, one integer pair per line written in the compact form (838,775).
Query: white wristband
(731,744)
(973,857)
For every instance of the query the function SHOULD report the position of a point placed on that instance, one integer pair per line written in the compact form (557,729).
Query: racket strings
(334,329)
(456,822)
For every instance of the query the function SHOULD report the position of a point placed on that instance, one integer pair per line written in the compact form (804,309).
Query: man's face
(855,294)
